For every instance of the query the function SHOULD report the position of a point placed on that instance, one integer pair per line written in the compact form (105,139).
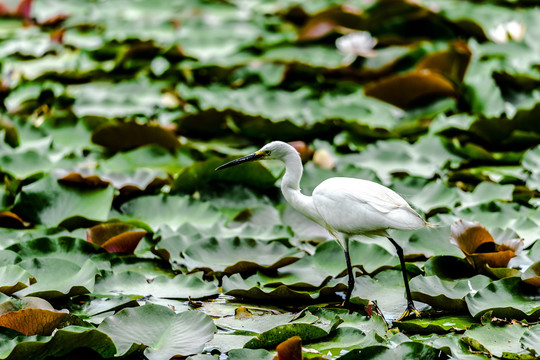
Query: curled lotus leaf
(479,246)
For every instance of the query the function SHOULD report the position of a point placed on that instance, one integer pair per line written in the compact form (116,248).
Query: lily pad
(60,343)
(408,350)
(495,340)
(507,298)
(307,328)
(162,332)
(169,210)
(49,203)
(135,284)
(440,325)
(237,255)
(14,278)
(58,278)
(446,294)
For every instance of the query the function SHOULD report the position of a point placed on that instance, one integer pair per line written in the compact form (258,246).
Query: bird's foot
(409,311)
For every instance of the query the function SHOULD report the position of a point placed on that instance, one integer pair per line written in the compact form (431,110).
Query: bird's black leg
(410,304)
(351,278)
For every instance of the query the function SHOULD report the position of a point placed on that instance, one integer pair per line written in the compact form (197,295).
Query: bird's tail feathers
(431,225)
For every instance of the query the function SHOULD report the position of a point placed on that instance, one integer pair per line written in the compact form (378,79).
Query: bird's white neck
(290,187)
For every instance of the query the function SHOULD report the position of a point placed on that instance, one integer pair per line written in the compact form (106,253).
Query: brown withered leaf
(290,349)
(99,234)
(404,90)
(11,220)
(33,321)
(242,312)
(451,63)
(480,248)
(469,235)
(125,242)
(330,20)
(75,178)
(130,135)
(498,259)
(515,245)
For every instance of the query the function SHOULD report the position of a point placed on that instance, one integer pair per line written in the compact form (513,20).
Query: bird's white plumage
(344,206)
(355,206)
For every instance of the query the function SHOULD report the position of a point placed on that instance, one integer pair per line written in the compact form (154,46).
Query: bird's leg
(351,278)
(410,304)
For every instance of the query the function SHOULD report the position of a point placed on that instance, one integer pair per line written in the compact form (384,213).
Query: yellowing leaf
(129,135)
(11,220)
(290,349)
(32,321)
(469,235)
(404,90)
(125,242)
(79,179)
(480,248)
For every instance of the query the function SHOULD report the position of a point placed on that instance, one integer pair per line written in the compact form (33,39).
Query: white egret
(344,206)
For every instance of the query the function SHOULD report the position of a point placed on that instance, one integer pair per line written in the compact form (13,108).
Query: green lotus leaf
(254,324)
(239,255)
(440,325)
(329,260)
(422,242)
(201,357)
(58,277)
(49,203)
(436,195)
(111,100)
(315,56)
(14,278)
(250,289)
(22,165)
(307,327)
(448,267)
(145,266)
(146,157)
(450,344)
(62,247)
(169,210)
(530,340)
(73,136)
(135,284)
(486,192)
(346,338)
(162,332)
(170,246)
(424,158)
(495,340)
(357,320)
(62,342)
(407,350)
(446,294)
(386,289)
(250,354)
(258,175)
(95,309)
(229,342)
(8,257)
(507,298)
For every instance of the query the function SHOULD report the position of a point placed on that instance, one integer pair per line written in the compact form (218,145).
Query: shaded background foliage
(116,113)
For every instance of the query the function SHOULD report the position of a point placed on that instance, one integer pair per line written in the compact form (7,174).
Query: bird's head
(276,150)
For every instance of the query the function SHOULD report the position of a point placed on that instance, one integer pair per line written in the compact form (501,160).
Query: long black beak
(251,157)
